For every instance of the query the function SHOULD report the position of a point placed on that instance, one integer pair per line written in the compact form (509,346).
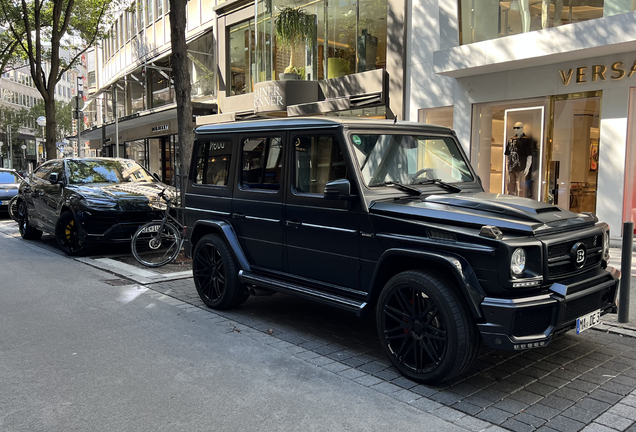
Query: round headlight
(518,262)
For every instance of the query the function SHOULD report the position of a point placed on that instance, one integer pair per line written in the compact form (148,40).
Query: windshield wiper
(441,183)
(401,186)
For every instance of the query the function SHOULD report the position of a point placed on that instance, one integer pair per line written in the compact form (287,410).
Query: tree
(64,119)
(40,32)
(182,85)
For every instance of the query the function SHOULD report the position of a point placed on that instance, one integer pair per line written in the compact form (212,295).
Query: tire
(216,274)
(152,250)
(424,328)
(26,231)
(67,235)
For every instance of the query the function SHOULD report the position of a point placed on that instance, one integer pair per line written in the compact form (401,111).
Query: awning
(168,112)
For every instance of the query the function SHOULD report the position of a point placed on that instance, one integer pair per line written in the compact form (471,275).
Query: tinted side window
(317,161)
(213,162)
(43,171)
(262,163)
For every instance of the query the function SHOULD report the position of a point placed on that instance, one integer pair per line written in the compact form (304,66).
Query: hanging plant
(295,26)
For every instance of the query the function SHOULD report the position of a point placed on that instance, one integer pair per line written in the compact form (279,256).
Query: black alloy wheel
(67,235)
(216,274)
(26,231)
(424,328)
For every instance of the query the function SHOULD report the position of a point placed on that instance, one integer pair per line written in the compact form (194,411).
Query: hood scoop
(506,205)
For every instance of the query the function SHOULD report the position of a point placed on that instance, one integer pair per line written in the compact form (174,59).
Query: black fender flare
(227,232)
(460,268)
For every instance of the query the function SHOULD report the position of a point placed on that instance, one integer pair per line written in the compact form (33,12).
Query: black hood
(127,195)
(508,212)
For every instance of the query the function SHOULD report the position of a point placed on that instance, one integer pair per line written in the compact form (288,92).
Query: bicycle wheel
(13,208)
(153,248)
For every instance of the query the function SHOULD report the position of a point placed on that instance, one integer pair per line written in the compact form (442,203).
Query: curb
(133,273)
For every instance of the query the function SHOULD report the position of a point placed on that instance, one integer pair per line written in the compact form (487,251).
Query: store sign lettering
(266,96)
(159,128)
(584,74)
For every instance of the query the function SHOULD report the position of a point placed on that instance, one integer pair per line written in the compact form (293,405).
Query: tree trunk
(51,128)
(182,87)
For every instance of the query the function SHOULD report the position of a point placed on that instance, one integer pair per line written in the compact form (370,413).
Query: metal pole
(626,272)
(10,147)
(80,120)
(116,121)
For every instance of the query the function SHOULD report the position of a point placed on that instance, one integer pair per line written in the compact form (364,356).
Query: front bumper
(530,322)
(112,227)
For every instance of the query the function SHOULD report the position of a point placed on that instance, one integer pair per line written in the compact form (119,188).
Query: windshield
(107,171)
(8,178)
(409,159)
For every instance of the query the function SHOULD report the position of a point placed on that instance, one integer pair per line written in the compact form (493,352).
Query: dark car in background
(9,183)
(84,201)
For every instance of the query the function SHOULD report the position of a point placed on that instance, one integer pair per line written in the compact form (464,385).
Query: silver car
(9,183)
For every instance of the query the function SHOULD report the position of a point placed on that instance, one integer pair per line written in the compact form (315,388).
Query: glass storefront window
(438,116)
(500,152)
(201,62)
(241,57)
(350,37)
(137,93)
(162,88)
(517,152)
(490,19)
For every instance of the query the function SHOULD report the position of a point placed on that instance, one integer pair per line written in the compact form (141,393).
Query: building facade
(540,91)
(350,63)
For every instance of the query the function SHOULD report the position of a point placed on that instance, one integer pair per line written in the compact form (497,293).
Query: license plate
(587,321)
(151,228)
(5,202)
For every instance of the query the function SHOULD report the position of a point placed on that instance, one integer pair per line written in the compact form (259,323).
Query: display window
(508,146)
(545,149)
(442,116)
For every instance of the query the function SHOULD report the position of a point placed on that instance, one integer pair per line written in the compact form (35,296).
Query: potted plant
(294,26)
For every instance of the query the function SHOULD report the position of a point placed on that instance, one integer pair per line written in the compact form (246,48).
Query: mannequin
(545,13)
(524,10)
(519,162)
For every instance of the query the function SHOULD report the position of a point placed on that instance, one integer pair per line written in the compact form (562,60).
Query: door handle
(294,224)
(238,215)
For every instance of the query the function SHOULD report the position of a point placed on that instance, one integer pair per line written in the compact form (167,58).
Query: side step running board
(302,291)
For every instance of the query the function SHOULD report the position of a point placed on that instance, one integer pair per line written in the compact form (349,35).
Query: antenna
(395,119)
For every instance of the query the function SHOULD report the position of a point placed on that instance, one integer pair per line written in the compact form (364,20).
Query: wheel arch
(223,229)
(452,268)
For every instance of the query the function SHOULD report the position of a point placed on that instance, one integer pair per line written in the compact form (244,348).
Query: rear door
(257,204)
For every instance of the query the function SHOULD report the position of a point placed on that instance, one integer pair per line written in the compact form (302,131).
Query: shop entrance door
(572,167)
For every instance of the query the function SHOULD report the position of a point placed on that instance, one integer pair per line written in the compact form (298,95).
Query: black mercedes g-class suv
(373,216)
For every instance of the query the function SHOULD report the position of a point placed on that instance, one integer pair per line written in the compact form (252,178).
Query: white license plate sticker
(151,228)
(587,321)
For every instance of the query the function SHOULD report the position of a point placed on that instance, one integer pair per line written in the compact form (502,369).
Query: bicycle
(158,242)
(13,208)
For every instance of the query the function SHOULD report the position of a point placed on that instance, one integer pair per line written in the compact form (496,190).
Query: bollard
(626,272)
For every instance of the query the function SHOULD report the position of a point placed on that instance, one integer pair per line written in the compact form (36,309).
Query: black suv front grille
(582,306)
(561,263)
(533,321)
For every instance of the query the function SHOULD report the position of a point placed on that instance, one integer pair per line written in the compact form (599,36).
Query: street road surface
(78,354)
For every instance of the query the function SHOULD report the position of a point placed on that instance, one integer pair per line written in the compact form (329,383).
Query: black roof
(316,122)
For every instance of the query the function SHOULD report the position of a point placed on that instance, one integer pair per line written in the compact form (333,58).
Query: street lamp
(23,147)
(41,121)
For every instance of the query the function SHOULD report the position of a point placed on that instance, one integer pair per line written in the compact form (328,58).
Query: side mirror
(338,189)
(53,178)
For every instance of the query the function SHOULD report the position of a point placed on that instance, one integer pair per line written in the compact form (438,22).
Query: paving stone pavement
(579,382)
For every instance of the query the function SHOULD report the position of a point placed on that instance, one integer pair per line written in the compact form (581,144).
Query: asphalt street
(150,355)
(79,354)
